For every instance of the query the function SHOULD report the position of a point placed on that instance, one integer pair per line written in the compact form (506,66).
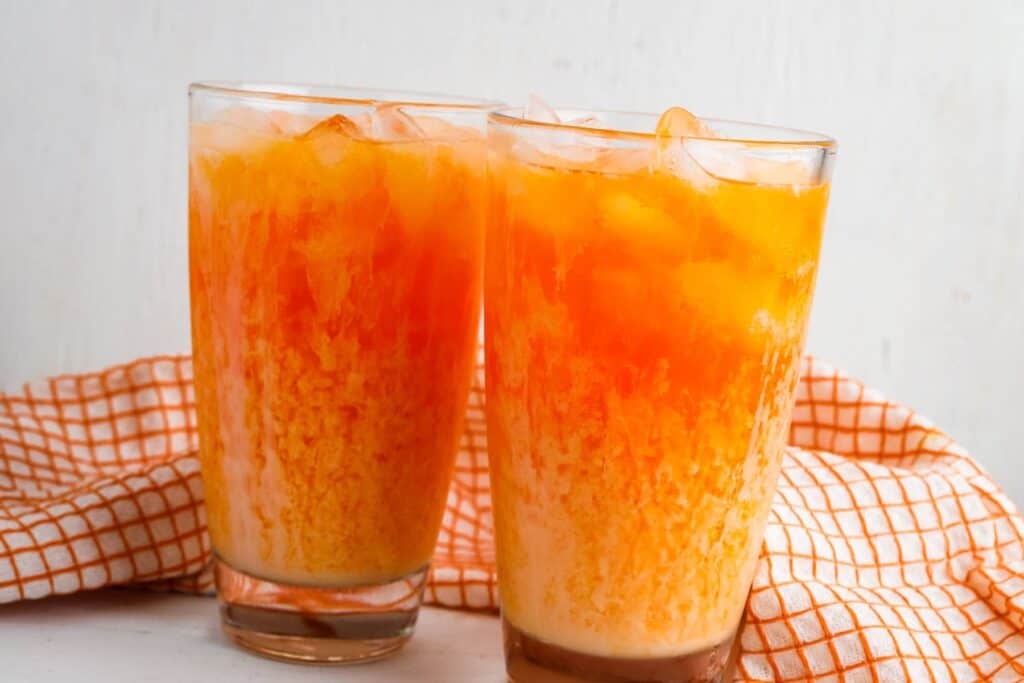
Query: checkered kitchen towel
(890,554)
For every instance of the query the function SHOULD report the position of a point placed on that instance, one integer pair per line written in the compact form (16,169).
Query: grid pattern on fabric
(462,572)
(99,484)
(890,555)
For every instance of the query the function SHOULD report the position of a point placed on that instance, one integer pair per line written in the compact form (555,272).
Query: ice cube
(751,163)
(676,122)
(389,123)
(331,139)
(292,124)
(216,137)
(554,147)
(436,128)
(557,151)
(692,149)
(676,130)
(337,124)
(778,167)
(233,130)
(676,158)
(539,110)
(248,118)
(623,161)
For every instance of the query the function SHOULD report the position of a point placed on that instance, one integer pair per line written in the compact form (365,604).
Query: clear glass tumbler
(646,302)
(336,245)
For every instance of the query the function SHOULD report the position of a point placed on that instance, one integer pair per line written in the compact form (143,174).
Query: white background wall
(923,269)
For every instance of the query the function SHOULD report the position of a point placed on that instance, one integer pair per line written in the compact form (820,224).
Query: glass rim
(340,95)
(516,117)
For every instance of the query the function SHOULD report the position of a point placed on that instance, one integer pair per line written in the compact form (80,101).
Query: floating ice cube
(753,163)
(331,138)
(292,124)
(539,110)
(554,147)
(677,122)
(389,123)
(233,130)
(437,128)
(673,134)
(337,124)
(248,118)
(676,158)
(622,161)
(693,150)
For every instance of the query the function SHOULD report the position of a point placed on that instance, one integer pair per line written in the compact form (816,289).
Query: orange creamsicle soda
(647,296)
(336,250)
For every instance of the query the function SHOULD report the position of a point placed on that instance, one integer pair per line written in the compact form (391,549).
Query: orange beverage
(336,244)
(647,299)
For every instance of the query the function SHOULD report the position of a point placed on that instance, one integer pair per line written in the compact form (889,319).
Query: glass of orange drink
(647,291)
(336,244)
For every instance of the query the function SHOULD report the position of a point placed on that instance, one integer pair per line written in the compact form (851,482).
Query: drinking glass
(646,302)
(335,244)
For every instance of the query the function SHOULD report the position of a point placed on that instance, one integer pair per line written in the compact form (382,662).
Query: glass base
(318,625)
(530,660)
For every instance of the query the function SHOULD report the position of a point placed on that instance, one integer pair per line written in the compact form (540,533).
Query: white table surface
(113,636)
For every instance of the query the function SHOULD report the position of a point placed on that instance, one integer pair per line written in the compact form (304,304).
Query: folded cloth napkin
(890,554)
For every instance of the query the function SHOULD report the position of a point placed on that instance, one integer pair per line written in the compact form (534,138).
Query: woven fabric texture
(890,554)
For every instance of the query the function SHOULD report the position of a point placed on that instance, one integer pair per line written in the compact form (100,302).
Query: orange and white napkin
(890,554)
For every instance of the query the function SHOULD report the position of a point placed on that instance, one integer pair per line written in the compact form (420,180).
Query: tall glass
(646,305)
(336,244)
